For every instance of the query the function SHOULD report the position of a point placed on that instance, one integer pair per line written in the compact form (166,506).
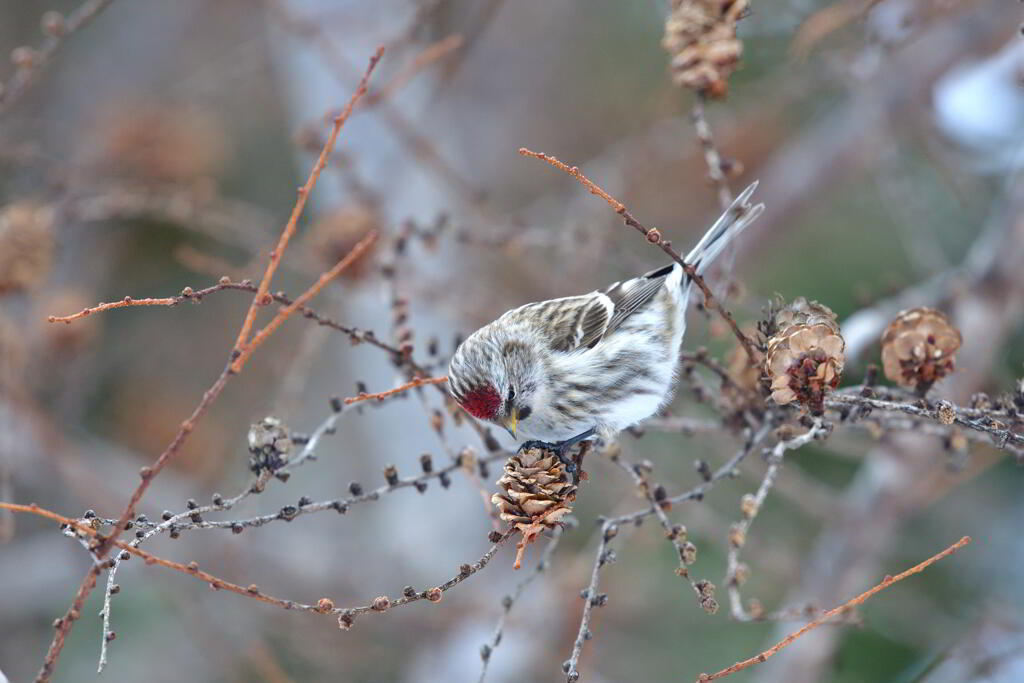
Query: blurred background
(160,148)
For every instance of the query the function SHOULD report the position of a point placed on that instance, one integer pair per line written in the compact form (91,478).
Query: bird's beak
(509,422)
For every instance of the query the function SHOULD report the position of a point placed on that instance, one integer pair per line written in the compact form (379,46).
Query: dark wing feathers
(629,296)
(582,321)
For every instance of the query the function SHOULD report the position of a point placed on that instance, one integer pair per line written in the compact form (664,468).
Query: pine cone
(270,445)
(701,37)
(534,494)
(918,348)
(805,354)
(26,245)
(804,312)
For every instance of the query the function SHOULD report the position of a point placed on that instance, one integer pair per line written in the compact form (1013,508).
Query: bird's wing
(569,323)
(580,322)
(630,296)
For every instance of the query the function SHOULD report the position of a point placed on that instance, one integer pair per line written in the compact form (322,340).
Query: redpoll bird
(563,370)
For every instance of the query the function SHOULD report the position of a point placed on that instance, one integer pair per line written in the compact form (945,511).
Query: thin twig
(676,534)
(192,517)
(1001,435)
(750,508)
(509,601)
(253,591)
(610,528)
(283,314)
(711,156)
(421,147)
(591,599)
(886,582)
(417,382)
(355,335)
(429,55)
(341,505)
(346,615)
(59,29)
(260,299)
(115,564)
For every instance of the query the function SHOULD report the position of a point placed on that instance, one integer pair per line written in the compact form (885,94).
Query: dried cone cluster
(918,348)
(159,143)
(270,445)
(745,375)
(805,354)
(701,37)
(534,494)
(26,245)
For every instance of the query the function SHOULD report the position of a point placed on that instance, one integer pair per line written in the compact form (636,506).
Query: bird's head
(495,382)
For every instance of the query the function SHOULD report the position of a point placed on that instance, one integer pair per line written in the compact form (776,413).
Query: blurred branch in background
(29,61)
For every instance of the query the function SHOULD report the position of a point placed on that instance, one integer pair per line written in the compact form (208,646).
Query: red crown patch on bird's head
(483,402)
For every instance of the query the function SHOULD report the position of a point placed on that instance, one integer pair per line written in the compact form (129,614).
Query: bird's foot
(561,450)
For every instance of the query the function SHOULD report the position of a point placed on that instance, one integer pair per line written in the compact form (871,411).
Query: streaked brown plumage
(605,360)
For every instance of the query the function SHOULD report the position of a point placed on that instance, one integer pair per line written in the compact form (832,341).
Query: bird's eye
(511,394)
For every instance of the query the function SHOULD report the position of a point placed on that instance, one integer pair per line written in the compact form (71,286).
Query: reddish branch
(242,350)
(653,236)
(323,606)
(191,569)
(194,296)
(64,624)
(417,382)
(127,301)
(242,343)
(841,609)
(429,55)
(286,312)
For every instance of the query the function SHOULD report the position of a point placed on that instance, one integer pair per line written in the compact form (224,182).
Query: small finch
(558,372)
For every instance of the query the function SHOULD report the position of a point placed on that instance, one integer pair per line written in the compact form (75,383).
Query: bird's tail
(738,216)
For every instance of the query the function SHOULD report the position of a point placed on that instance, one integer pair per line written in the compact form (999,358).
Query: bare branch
(850,604)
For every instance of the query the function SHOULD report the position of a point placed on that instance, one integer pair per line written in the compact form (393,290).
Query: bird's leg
(562,450)
(562,447)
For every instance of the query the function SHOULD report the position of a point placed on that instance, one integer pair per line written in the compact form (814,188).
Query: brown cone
(534,494)
(701,37)
(806,354)
(26,245)
(919,348)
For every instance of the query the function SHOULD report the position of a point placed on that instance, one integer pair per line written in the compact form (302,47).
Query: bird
(562,371)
